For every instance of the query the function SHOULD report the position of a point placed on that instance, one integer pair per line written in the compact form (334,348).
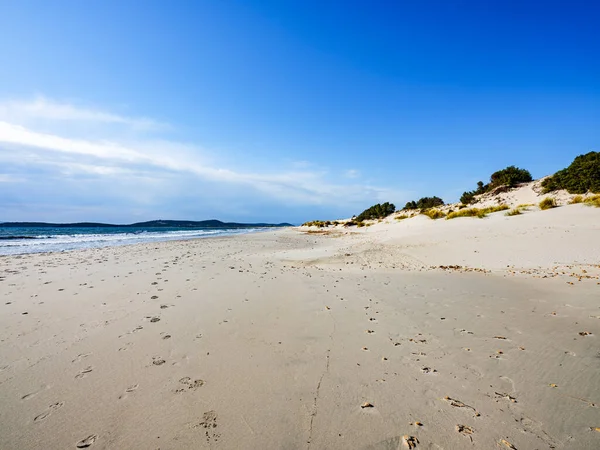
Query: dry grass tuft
(477,212)
(593,201)
(576,199)
(513,212)
(433,213)
(547,203)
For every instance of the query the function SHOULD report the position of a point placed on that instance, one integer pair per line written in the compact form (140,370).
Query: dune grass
(592,201)
(476,212)
(402,217)
(547,203)
(433,213)
(576,199)
(468,212)
(513,212)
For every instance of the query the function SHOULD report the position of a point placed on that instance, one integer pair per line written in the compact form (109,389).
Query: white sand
(265,339)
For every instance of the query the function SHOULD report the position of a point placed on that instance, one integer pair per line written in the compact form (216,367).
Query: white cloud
(352,173)
(111,157)
(9,178)
(43,108)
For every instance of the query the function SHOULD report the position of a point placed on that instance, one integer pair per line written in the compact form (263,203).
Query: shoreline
(166,238)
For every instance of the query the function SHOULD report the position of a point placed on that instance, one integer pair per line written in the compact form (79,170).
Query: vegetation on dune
(592,201)
(583,175)
(425,203)
(576,199)
(513,212)
(467,212)
(320,223)
(433,213)
(510,177)
(378,211)
(547,203)
(517,210)
(476,212)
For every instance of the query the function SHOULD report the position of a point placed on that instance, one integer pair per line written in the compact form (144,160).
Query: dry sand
(277,340)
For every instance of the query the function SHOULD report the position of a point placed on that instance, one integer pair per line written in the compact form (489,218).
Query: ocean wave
(19,244)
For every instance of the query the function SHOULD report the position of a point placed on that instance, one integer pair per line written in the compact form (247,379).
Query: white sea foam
(64,242)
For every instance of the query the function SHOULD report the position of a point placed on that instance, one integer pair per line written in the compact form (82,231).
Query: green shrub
(547,203)
(511,176)
(378,211)
(583,175)
(402,217)
(425,203)
(433,213)
(469,196)
(317,223)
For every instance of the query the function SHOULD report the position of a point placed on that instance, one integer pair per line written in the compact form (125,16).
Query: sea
(21,240)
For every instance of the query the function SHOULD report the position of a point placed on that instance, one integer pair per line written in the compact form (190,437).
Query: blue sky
(281,110)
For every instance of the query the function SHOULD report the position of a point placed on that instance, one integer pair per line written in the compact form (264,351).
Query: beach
(469,333)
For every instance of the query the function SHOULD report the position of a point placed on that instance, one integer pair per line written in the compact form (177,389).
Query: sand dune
(453,334)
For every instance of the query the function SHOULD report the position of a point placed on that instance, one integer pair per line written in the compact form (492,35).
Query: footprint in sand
(84,372)
(129,390)
(81,356)
(31,394)
(87,442)
(49,411)
(158,361)
(458,404)
(465,430)
(209,423)
(188,384)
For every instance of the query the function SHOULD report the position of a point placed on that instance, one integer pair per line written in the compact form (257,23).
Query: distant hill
(150,224)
